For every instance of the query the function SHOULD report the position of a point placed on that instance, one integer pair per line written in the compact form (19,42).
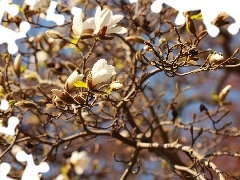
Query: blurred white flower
(133,1)
(101,72)
(4,105)
(42,55)
(75,76)
(80,161)
(61,177)
(124,133)
(116,85)
(216,57)
(15,149)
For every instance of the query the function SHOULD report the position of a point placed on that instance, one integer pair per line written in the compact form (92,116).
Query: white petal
(115,19)
(103,21)
(74,77)
(98,12)
(89,23)
(103,75)
(77,26)
(117,30)
(100,64)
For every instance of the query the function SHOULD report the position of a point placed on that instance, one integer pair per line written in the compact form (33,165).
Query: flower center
(102,31)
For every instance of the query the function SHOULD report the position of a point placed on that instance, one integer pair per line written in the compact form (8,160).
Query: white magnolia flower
(80,161)
(104,22)
(79,26)
(116,85)
(75,76)
(101,72)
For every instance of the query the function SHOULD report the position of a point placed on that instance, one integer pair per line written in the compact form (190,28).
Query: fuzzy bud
(17,65)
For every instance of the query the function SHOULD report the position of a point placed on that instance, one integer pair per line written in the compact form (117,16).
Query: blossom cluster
(103,23)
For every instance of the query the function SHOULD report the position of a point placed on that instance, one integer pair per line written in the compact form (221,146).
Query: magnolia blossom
(80,161)
(105,22)
(101,72)
(79,26)
(75,76)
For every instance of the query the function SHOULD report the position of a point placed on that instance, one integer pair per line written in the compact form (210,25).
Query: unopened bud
(137,39)
(64,96)
(17,65)
(224,92)
(54,34)
(26,104)
(138,56)
(79,99)
(1,79)
(190,26)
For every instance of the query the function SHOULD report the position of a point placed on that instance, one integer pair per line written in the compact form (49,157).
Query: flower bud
(26,104)
(138,56)
(17,65)
(1,79)
(64,96)
(137,39)
(190,26)
(224,92)
(54,34)
(79,99)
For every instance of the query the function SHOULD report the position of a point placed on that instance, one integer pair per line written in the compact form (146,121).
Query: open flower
(80,161)
(80,27)
(75,76)
(105,22)
(101,72)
